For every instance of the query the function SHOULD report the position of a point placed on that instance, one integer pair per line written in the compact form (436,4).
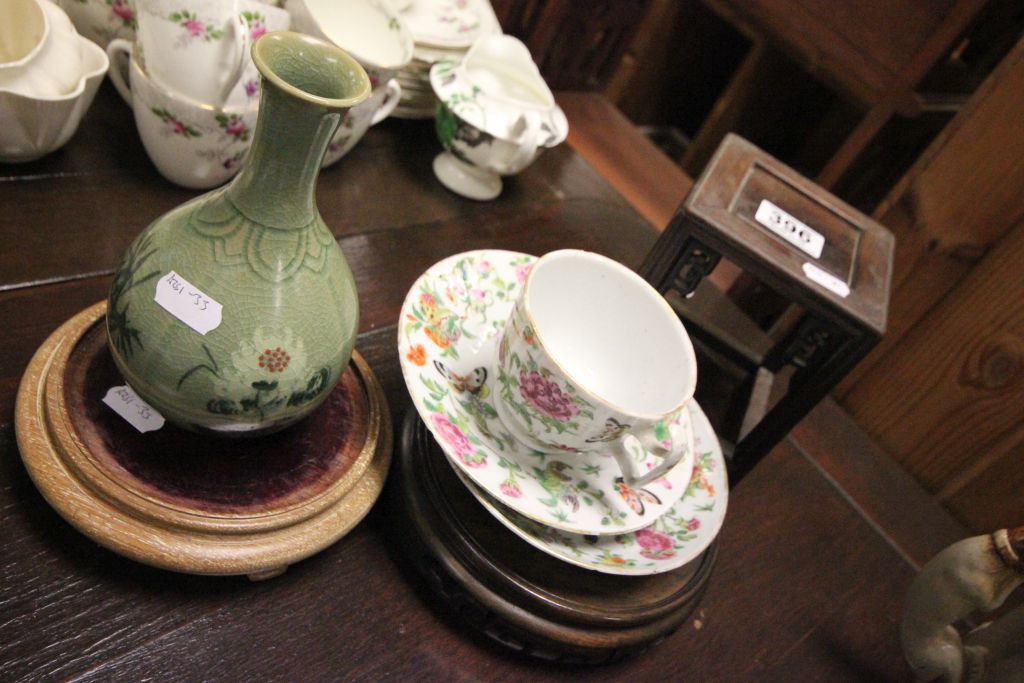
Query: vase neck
(277,185)
(308,84)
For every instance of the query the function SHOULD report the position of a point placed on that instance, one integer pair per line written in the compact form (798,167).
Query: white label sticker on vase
(794,231)
(826,280)
(187,303)
(126,403)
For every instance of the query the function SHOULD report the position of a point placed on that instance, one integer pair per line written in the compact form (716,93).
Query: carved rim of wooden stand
(105,483)
(156,533)
(509,607)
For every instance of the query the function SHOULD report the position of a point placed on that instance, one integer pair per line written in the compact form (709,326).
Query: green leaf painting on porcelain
(260,249)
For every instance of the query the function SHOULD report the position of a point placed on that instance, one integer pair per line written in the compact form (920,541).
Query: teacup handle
(526,143)
(670,456)
(240,58)
(114,47)
(391,97)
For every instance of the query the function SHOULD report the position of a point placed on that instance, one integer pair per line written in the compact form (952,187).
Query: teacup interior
(22,27)
(362,28)
(498,81)
(611,332)
(501,66)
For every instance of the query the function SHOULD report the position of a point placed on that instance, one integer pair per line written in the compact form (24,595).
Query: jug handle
(526,143)
(114,47)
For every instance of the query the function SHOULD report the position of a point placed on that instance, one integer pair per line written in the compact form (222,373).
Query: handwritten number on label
(187,303)
(126,403)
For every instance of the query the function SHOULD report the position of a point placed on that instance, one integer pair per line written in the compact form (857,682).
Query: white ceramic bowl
(32,125)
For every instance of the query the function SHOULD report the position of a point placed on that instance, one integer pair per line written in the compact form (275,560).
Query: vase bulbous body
(258,248)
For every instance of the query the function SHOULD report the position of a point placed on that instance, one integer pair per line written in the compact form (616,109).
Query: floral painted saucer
(676,537)
(449,23)
(447,341)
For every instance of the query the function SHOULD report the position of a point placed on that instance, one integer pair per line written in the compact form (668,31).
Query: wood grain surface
(806,587)
(941,392)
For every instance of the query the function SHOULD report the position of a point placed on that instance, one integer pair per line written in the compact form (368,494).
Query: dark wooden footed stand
(515,594)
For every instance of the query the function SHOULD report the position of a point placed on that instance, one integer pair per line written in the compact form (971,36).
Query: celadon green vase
(259,249)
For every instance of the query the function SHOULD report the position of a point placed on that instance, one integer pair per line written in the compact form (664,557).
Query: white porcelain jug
(39,49)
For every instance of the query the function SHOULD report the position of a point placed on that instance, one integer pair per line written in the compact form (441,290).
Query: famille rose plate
(447,341)
(676,537)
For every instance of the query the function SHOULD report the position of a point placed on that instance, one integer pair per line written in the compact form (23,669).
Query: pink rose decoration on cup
(123,11)
(545,396)
(656,545)
(522,271)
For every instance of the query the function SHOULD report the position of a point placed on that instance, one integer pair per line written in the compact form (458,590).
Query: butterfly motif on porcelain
(613,429)
(635,498)
(473,391)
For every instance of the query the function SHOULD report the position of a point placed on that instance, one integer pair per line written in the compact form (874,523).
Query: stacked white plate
(441,29)
(567,505)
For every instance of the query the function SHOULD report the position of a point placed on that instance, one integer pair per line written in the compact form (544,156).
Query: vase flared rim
(361,85)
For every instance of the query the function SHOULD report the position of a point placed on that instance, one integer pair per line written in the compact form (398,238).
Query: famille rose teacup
(592,357)
(192,144)
(197,48)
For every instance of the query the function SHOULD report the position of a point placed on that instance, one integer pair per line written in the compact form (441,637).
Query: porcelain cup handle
(670,456)
(391,98)
(242,34)
(526,143)
(114,47)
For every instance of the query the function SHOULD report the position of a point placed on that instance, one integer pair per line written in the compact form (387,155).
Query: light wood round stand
(192,502)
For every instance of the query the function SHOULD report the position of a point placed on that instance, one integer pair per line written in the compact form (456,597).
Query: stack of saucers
(575,506)
(441,29)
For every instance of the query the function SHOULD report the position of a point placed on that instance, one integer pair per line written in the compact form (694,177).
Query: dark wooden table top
(818,547)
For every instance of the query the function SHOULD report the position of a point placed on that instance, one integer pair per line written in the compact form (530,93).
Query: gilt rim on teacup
(690,387)
(136,67)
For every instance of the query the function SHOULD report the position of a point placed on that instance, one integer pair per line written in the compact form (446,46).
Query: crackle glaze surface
(260,249)
(448,338)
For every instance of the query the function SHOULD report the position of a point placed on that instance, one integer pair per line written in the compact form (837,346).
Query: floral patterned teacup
(190,143)
(592,357)
(102,20)
(357,120)
(197,48)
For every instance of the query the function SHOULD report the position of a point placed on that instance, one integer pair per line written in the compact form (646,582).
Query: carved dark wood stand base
(190,502)
(516,594)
